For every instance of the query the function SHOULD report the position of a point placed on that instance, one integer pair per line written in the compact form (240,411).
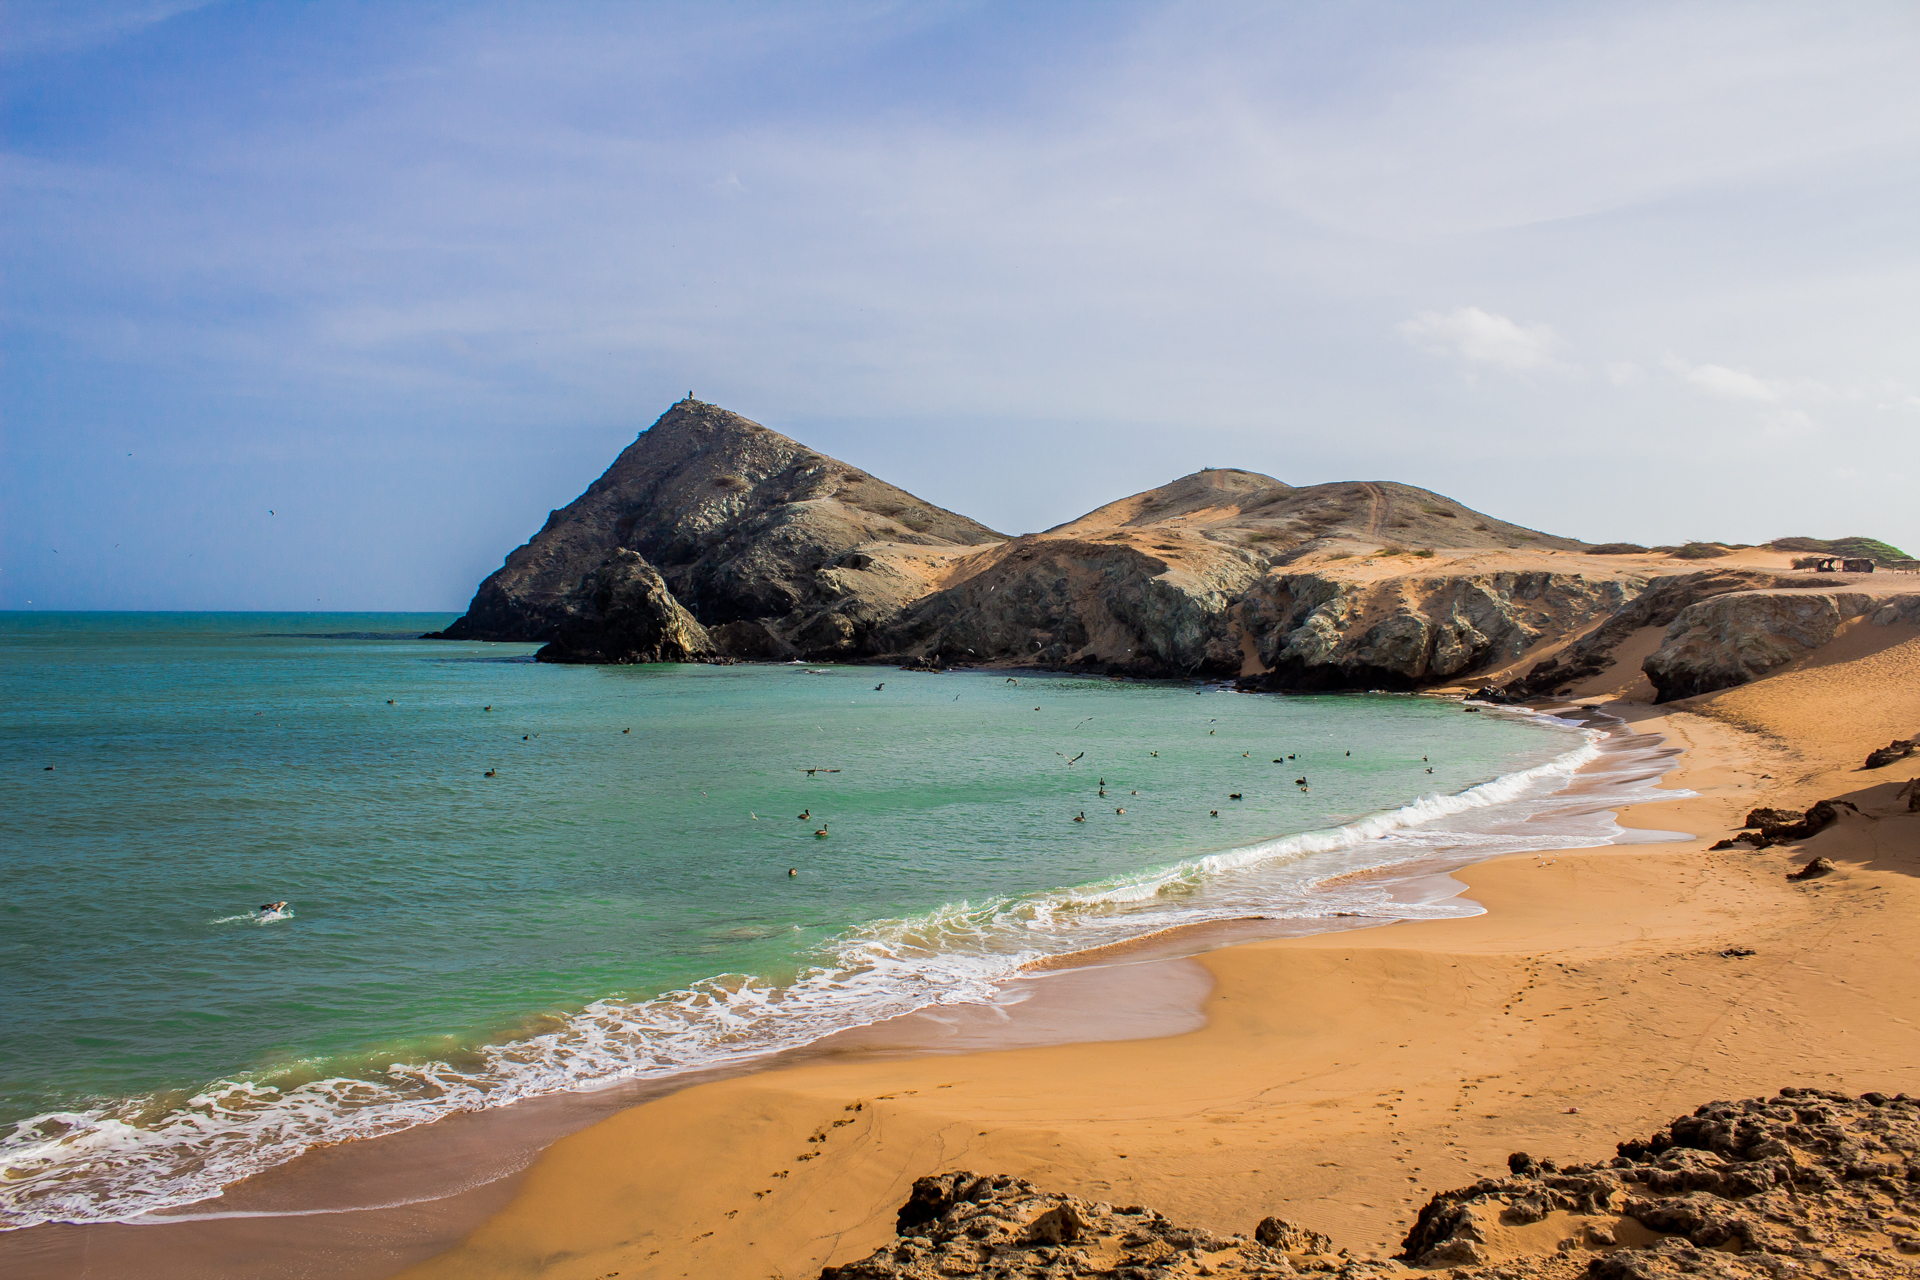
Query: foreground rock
(1898,749)
(1805,1183)
(965,1224)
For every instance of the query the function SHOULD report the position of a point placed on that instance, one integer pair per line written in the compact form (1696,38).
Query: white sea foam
(116,1163)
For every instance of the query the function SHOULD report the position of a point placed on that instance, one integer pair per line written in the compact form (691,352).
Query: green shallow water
(634,843)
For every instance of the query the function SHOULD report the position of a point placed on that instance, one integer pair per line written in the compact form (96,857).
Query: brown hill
(1259,511)
(712,537)
(746,526)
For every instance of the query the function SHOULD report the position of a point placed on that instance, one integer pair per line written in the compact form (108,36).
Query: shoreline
(1145,987)
(1342,1077)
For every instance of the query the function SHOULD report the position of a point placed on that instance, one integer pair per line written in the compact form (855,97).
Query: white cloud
(1787,424)
(1733,384)
(1481,337)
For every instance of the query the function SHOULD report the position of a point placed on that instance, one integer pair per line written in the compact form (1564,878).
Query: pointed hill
(767,543)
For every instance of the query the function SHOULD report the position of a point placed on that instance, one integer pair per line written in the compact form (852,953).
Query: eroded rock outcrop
(1732,639)
(963,1224)
(1807,1182)
(1898,749)
(623,613)
(1314,631)
(1767,827)
(1656,605)
(1063,602)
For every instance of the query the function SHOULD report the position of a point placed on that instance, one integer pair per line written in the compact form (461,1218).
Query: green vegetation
(1872,549)
(1700,551)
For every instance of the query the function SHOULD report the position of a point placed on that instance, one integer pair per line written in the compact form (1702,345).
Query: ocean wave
(142,1155)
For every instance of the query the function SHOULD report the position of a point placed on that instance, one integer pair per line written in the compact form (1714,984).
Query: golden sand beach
(1339,1079)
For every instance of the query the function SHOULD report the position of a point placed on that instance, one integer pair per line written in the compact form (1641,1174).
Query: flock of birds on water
(822,833)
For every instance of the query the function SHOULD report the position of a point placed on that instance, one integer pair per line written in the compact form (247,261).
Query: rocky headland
(713,538)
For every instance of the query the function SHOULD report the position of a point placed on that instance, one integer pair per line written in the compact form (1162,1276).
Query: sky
(325,306)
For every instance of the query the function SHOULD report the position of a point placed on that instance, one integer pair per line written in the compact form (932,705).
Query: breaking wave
(141,1155)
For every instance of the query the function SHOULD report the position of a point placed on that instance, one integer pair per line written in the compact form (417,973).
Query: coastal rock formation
(1807,1182)
(622,612)
(1732,639)
(1190,579)
(1315,632)
(1898,749)
(1661,601)
(1066,601)
(711,537)
(1766,827)
(963,1224)
(743,525)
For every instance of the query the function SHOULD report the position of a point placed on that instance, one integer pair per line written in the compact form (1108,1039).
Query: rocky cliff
(1195,578)
(712,537)
(1734,638)
(754,534)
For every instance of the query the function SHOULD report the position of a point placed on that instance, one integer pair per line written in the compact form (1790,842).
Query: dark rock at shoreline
(1784,826)
(1898,749)
(623,613)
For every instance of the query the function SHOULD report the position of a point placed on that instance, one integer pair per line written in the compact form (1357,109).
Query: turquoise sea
(507,879)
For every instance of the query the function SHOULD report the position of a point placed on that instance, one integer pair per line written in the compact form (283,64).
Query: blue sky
(409,275)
